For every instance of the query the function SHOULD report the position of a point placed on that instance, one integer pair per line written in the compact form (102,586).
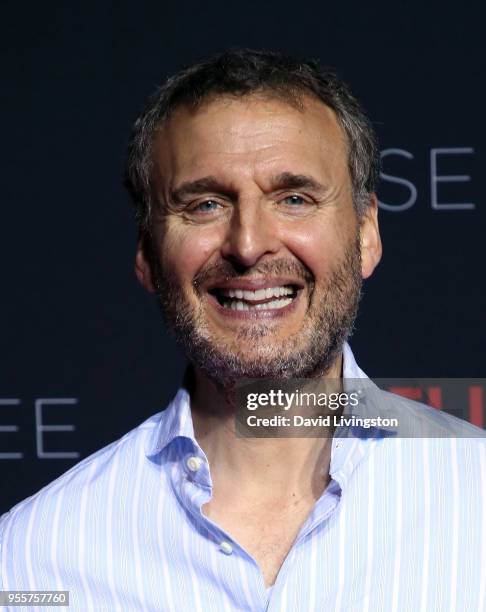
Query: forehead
(253,134)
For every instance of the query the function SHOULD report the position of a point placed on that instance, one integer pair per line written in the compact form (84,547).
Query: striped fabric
(401,526)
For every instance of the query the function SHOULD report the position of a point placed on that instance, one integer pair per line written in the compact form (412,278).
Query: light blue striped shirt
(401,526)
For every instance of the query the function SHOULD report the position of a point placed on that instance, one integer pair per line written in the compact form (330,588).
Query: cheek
(186,250)
(318,246)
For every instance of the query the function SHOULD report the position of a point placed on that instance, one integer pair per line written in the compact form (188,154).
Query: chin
(225,368)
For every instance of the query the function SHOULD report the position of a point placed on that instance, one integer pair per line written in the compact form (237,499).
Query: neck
(299,464)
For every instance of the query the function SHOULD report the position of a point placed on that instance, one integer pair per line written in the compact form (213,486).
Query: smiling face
(257,251)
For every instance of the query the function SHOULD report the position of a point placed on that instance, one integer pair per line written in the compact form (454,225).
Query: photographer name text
(320,421)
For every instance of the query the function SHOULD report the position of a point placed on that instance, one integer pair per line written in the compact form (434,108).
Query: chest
(267,531)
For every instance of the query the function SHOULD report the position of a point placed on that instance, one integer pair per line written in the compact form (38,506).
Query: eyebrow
(197,187)
(288,180)
(284,180)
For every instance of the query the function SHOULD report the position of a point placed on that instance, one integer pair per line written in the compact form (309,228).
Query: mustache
(225,270)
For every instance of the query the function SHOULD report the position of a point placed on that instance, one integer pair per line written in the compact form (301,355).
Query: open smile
(255,298)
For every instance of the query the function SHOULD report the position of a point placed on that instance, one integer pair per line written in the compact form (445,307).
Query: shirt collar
(350,445)
(350,367)
(175,421)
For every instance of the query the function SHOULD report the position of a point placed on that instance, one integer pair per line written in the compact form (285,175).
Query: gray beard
(310,352)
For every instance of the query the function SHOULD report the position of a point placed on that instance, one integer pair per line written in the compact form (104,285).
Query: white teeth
(241,299)
(273,305)
(260,294)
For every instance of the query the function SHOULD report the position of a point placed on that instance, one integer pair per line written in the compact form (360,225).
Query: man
(253,177)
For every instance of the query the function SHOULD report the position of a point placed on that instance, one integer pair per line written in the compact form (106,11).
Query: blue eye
(294,200)
(207,206)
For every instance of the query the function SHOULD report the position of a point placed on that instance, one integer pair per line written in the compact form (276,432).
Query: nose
(251,234)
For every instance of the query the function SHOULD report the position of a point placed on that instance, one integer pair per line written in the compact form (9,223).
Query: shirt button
(226,548)
(194,463)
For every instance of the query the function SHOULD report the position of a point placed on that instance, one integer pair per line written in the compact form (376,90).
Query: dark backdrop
(82,345)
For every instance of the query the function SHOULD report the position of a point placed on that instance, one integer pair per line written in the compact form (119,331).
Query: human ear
(143,269)
(371,248)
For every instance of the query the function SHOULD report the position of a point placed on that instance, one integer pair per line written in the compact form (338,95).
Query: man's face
(257,250)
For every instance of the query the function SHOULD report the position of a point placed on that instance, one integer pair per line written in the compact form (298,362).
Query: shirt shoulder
(417,420)
(428,438)
(425,439)
(90,478)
